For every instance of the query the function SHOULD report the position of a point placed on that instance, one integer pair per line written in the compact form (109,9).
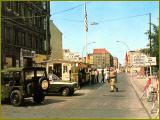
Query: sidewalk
(138,84)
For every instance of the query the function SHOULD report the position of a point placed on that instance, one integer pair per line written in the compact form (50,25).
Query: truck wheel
(16,98)
(38,98)
(65,91)
(71,92)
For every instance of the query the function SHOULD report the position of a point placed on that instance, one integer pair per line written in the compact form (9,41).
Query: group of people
(110,76)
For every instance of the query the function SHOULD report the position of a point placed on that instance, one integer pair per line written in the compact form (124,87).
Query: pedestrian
(97,76)
(102,80)
(113,80)
(92,76)
(70,76)
(107,76)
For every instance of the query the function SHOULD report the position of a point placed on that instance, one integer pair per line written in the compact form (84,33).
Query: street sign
(150,61)
(139,60)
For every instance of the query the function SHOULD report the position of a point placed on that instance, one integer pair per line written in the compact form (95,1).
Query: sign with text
(139,60)
(150,61)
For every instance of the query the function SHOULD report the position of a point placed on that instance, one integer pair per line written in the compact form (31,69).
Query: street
(91,101)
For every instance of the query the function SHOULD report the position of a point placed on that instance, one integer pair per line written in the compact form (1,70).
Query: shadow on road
(30,102)
(121,90)
(92,86)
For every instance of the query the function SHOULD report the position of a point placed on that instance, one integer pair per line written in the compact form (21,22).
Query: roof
(21,68)
(11,69)
(100,51)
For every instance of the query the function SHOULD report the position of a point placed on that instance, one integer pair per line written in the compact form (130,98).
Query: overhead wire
(69,9)
(101,21)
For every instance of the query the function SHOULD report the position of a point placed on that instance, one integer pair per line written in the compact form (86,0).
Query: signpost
(150,61)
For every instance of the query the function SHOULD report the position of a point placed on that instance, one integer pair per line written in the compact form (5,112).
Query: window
(44,5)
(15,6)
(29,75)
(8,34)
(33,42)
(37,43)
(8,61)
(16,36)
(29,41)
(29,16)
(23,39)
(19,38)
(40,73)
(9,5)
(23,12)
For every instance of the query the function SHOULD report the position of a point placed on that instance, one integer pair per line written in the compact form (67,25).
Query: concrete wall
(56,42)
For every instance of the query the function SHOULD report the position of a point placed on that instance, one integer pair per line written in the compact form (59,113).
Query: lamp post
(127,48)
(85,47)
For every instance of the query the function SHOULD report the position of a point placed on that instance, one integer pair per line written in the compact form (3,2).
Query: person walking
(97,75)
(92,76)
(113,77)
(107,76)
(102,80)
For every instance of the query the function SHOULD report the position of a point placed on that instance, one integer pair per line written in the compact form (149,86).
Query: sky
(115,23)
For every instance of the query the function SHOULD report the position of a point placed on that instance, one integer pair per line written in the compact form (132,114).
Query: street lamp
(85,47)
(124,44)
(127,48)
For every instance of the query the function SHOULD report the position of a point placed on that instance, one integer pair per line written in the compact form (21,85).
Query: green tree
(154,44)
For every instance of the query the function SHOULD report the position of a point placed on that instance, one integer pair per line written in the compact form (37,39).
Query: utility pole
(150,34)
(150,41)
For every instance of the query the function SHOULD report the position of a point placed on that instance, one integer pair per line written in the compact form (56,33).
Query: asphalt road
(92,101)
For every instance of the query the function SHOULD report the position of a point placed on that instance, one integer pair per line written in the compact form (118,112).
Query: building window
(7,32)
(33,42)
(15,7)
(23,39)
(8,62)
(22,12)
(29,17)
(44,5)
(29,42)
(19,38)
(9,5)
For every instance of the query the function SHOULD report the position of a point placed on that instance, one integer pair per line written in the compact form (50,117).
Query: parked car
(63,87)
(20,83)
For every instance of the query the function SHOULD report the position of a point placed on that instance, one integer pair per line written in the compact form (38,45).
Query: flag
(126,58)
(86,20)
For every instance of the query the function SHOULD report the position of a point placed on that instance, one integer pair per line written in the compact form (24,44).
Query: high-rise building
(25,32)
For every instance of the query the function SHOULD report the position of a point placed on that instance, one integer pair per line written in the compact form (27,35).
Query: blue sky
(108,31)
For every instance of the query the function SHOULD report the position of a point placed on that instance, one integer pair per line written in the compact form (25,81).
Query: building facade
(102,58)
(115,62)
(25,32)
(56,42)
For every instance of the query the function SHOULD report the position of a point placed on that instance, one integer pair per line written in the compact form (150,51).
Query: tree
(154,44)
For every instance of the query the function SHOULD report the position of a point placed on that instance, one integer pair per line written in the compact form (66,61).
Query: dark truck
(20,83)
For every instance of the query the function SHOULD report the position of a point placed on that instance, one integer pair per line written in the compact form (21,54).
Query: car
(20,83)
(64,87)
